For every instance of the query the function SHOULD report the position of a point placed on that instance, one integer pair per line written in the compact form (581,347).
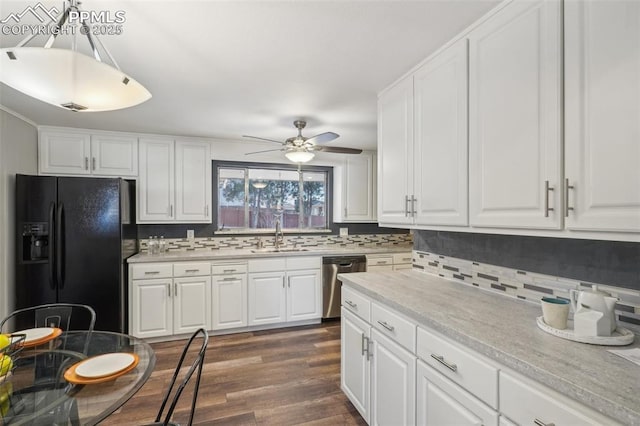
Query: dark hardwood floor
(277,377)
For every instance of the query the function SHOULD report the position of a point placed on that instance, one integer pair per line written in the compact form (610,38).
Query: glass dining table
(39,391)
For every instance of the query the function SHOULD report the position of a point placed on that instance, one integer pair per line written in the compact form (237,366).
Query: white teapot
(594,312)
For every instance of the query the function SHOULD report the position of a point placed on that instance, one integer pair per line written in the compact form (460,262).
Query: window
(255,196)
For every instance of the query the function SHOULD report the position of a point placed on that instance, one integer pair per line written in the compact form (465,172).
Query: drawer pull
(365,345)
(350,303)
(381,262)
(228,271)
(151,272)
(192,270)
(387,326)
(228,279)
(539,422)
(450,366)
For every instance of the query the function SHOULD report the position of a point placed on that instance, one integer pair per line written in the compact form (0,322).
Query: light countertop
(246,253)
(504,329)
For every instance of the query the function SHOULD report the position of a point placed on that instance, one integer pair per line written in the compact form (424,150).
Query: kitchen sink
(281,250)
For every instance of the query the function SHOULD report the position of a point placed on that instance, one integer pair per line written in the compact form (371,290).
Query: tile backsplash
(248,242)
(521,284)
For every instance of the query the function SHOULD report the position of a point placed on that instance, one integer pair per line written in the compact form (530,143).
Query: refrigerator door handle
(52,241)
(60,246)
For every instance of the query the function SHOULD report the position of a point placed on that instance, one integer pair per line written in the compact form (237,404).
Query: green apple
(6,364)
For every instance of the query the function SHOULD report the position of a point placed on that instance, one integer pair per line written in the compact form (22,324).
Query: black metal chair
(196,367)
(49,366)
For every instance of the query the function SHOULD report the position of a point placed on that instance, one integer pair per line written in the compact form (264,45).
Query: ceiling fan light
(299,156)
(64,77)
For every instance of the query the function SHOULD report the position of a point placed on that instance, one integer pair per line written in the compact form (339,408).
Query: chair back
(196,367)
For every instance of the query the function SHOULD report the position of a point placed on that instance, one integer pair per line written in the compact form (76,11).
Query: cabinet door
(359,188)
(515,133)
(267,298)
(355,371)
(156,181)
(440,169)
(152,308)
(64,153)
(304,295)
(393,379)
(602,115)
(193,181)
(114,155)
(440,402)
(229,301)
(395,153)
(191,304)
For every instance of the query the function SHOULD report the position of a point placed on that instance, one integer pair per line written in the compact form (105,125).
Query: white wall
(18,154)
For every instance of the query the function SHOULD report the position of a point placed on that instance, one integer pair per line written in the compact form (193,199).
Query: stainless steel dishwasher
(332,286)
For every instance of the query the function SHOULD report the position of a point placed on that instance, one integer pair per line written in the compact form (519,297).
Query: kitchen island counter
(504,329)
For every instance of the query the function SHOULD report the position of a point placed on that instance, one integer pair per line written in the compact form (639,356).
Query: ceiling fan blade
(337,149)
(260,152)
(262,139)
(323,138)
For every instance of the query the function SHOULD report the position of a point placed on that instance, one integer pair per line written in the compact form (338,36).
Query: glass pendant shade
(301,156)
(69,79)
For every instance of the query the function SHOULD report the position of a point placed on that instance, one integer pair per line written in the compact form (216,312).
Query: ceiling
(223,69)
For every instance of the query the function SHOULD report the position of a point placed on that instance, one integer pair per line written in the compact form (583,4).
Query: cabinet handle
(282,282)
(191,270)
(369,353)
(381,262)
(365,345)
(228,279)
(350,303)
(86,163)
(169,290)
(567,187)
(547,189)
(206,210)
(345,211)
(387,326)
(539,422)
(414,200)
(289,281)
(406,205)
(228,271)
(151,272)
(441,360)
(175,289)
(93,163)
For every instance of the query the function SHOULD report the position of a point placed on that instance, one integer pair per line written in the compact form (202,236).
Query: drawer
(190,269)
(267,264)
(380,268)
(544,405)
(394,326)
(399,258)
(307,262)
(228,268)
(461,365)
(402,266)
(373,260)
(356,303)
(151,270)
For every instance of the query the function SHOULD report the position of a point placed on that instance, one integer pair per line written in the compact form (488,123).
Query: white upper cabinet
(114,155)
(440,149)
(602,115)
(355,189)
(395,151)
(193,181)
(156,182)
(175,181)
(62,152)
(515,110)
(83,152)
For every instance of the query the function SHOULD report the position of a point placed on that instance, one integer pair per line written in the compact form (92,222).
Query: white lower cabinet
(191,307)
(393,379)
(288,290)
(354,361)
(228,295)
(440,402)
(152,308)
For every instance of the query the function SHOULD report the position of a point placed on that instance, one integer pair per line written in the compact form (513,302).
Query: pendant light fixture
(67,78)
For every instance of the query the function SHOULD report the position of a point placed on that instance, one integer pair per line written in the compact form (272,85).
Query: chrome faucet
(279,237)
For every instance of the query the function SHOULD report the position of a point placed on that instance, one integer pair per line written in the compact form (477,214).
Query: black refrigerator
(74,235)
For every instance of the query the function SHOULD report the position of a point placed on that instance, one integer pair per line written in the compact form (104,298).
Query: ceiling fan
(300,149)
